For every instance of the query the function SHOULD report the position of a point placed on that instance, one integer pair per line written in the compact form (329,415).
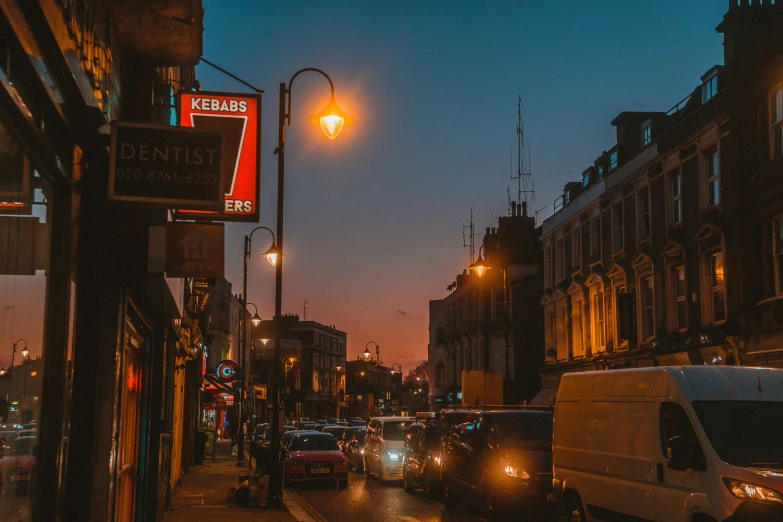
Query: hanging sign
(237,118)
(195,250)
(226,371)
(161,164)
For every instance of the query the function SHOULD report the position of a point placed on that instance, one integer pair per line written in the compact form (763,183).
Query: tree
(420,373)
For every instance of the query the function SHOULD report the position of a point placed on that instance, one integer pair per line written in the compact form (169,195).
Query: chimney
(513,208)
(523,209)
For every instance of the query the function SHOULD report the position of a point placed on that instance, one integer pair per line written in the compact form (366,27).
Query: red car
(313,457)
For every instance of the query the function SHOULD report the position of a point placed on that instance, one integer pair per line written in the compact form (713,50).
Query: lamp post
(256,320)
(331,120)
(271,256)
(399,386)
(337,392)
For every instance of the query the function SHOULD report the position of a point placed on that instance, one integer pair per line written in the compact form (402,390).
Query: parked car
(337,431)
(306,425)
(679,444)
(502,459)
(313,456)
(383,447)
(258,434)
(357,421)
(421,457)
(267,438)
(16,466)
(6,439)
(353,447)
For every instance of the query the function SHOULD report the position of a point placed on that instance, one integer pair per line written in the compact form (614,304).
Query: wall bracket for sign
(237,117)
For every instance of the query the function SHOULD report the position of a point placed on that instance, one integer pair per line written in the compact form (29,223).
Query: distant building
(372,389)
(494,323)
(669,250)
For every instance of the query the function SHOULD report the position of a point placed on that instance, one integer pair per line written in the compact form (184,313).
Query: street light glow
(332,119)
(25,352)
(256,320)
(271,254)
(479,267)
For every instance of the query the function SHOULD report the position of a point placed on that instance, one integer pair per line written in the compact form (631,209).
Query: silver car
(383,447)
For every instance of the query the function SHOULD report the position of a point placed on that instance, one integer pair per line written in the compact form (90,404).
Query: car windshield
(313,442)
(395,430)
(337,432)
(744,433)
(526,430)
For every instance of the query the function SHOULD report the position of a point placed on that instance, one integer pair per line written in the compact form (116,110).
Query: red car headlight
(295,462)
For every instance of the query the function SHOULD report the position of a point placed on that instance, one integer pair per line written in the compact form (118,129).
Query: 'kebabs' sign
(237,118)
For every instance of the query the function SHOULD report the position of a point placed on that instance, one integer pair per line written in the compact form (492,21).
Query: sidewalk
(203,493)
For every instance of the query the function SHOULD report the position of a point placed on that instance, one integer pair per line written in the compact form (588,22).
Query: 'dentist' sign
(237,118)
(165,165)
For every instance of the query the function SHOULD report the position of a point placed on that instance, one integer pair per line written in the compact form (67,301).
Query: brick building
(668,251)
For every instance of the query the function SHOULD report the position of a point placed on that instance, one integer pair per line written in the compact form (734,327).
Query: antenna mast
(523,172)
(469,241)
(304,310)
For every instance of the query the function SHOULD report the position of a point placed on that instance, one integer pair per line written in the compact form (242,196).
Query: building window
(613,161)
(624,312)
(547,271)
(560,332)
(499,305)
(646,308)
(617,223)
(717,286)
(675,181)
(599,337)
(550,328)
(576,249)
(644,213)
(776,121)
(560,263)
(777,249)
(316,381)
(680,291)
(577,340)
(440,375)
(709,88)
(600,170)
(646,132)
(713,178)
(595,240)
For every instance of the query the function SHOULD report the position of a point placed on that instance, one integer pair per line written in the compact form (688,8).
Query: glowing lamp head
(479,267)
(25,352)
(332,119)
(271,254)
(255,319)
(366,353)
(339,368)
(3,371)
(264,341)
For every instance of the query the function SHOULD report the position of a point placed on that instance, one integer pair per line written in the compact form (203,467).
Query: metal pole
(242,342)
(275,480)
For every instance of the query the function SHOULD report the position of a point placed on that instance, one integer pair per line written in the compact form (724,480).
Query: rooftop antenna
(469,240)
(304,310)
(523,172)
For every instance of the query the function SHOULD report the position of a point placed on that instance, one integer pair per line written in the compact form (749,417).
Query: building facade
(668,249)
(492,323)
(372,388)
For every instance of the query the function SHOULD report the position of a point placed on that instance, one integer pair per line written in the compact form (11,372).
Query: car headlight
(513,471)
(361,451)
(745,490)
(436,459)
(295,462)
(393,456)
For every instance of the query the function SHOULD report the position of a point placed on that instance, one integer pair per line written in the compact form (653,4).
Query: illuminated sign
(226,371)
(195,250)
(237,118)
(160,164)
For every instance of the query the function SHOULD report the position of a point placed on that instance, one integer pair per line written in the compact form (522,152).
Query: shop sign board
(226,371)
(195,250)
(229,398)
(165,165)
(237,117)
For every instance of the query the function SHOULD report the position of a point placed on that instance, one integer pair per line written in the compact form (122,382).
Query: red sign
(229,398)
(237,117)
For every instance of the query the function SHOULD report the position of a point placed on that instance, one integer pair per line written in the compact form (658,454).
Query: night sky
(374,218)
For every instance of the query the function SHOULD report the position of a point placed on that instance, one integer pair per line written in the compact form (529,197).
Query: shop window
(777,249)
(776,122)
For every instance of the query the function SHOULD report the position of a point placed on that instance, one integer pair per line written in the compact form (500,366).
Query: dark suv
(501,458)
(421,456)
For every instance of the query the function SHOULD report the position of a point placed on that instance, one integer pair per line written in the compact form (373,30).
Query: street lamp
(332,120)
(256,320)
(271,256)
(25,353)
(367,353)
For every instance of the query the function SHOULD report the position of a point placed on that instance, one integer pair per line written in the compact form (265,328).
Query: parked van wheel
(576,513)
(406,485)
(450,500)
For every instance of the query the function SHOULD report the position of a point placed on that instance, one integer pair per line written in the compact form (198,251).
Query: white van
(670,444)
(384,443)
